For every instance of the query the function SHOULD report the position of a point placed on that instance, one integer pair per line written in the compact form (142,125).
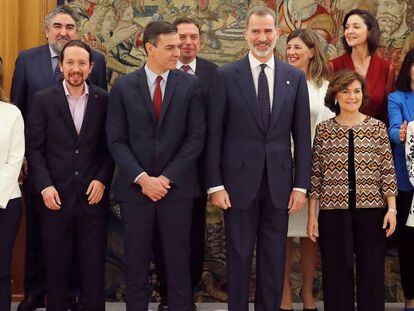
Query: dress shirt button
(76,173)
(77,151)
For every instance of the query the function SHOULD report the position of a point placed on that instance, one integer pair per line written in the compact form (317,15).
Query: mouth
(262,45)
(293,59)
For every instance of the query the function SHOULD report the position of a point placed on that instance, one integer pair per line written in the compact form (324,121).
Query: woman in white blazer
(304,52)
(11,158)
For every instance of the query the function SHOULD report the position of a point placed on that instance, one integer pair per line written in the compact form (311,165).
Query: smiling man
(156,128)
(257,104)
(37,69)
(72,170)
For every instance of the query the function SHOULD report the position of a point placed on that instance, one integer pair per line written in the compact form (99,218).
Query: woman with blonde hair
(11,158)
(304,52)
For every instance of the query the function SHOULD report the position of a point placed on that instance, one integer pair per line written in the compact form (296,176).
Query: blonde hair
(318,70)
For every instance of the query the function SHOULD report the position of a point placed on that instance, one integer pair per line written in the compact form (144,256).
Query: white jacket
(11,152)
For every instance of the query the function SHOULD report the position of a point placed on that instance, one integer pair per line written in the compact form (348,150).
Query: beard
(60,42)
(389,23)
(75,82)
(262,53)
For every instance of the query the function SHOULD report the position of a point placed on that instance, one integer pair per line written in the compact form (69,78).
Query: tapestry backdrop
(115,28)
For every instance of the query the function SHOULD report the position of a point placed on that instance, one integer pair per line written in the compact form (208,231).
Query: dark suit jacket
(238,146)
(33,72)
(170,147)
(58,156)
(205,72)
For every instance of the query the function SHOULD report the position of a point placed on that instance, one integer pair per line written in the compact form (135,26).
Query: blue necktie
(57,73)
(263,97)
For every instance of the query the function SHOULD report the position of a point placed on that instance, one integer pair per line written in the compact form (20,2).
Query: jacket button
(76,151)
(76,173)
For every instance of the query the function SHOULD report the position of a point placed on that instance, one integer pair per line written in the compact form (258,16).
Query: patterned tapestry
(115,28)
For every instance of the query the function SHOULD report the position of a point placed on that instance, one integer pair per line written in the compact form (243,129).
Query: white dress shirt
(192,64)
(11,152)
(270,75)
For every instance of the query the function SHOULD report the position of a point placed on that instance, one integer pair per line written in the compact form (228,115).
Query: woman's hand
(312,228)
(403,131)
(390,221)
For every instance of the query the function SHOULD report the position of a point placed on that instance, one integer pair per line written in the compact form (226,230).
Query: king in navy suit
(256,105)
(156,127)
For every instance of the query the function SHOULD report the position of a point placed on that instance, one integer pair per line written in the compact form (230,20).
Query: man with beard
(256,105)
(72,170)
(37,69)
(395,18)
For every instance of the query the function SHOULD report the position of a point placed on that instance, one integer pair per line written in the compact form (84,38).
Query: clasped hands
(154,187)
(297,199)
(52,200)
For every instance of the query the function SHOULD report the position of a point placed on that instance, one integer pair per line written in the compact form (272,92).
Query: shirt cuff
(300,190)
(139,176)
(215,189)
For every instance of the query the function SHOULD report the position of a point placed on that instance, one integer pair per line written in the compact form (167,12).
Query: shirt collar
(192,64)
(254,62)
(53,54)
(152,76)
(86,89)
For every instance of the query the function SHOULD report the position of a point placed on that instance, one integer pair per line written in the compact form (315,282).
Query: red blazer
(380,81)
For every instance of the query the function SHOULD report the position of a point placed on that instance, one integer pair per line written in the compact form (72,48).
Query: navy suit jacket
(238,148)
(170,147)
(400,109)
(33,72)
(58,156)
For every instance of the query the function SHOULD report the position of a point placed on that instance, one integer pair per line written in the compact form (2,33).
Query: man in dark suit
(37,69)
(155,129)
(72,170)
(190,37)
(256,105)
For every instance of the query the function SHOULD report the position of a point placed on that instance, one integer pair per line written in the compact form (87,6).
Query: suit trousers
(9,225)
(266,227)
(405,236)
(174,222)
(87,232)
(343,233)
(198,228)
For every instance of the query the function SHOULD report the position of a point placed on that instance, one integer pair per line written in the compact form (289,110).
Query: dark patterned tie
(185,68)
(157,99)
(263,96)
(57,73)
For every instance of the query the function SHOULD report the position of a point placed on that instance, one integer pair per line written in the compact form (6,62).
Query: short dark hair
(404,77)
(187,20)
(154,29)
(339,81)
(260,10)
(63,9)
(77,43)
(373,39)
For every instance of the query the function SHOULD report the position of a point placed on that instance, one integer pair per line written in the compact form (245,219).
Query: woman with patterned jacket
(353,179)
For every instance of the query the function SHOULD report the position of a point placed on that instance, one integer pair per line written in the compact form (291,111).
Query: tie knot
(262,67)
(158,80)
(185,68)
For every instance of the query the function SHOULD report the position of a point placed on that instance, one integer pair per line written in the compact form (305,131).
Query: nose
(176,52)
(63,31)
(187,40)
(262,37)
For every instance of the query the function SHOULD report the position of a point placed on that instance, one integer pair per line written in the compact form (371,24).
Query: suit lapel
(281,79)
(200,72)
(89,112)
(45,65)
(63,105)
(246,85)
(169,91)
(373,72)
(143,86)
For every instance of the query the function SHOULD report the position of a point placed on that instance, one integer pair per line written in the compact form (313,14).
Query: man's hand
(152,187)
(95,191)
(51,198)
(164,181)
(24,171)
(296,201)
(220,199)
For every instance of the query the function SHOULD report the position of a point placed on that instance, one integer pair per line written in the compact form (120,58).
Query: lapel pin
(287,82)
(96,95)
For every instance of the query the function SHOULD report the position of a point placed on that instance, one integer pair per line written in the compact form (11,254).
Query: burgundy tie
(157,99)
(185,68)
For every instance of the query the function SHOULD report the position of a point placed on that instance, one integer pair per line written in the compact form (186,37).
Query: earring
(336,102)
